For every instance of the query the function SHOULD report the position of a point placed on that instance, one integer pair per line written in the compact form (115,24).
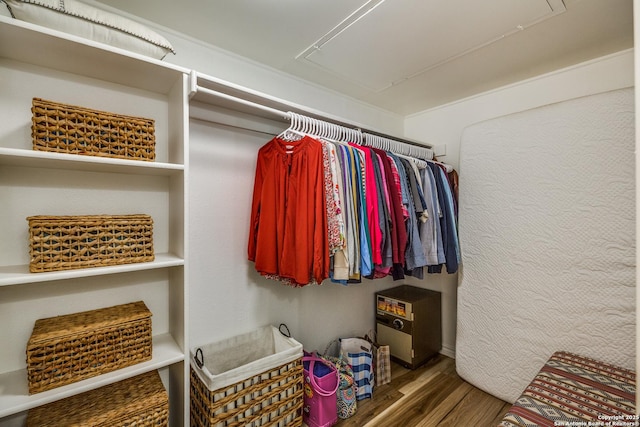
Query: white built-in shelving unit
(36,62)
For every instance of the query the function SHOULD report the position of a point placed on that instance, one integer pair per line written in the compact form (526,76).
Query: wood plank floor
(432,395)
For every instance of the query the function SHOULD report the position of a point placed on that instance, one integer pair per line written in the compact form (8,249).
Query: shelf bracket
(193,83)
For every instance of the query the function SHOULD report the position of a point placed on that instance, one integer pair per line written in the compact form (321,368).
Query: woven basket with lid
(66,349)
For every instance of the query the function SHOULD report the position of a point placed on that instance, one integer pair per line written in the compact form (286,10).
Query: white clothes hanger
(397,147)
(420,163)
(301,126)
(413,152)
(294,131)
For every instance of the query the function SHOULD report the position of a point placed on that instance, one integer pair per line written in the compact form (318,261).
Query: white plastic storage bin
(254,379)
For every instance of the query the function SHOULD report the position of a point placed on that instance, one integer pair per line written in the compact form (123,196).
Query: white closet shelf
(45,159)
(19,274)
(14,394)
(34,44)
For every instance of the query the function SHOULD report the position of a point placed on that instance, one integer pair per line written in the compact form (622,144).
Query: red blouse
(288,231)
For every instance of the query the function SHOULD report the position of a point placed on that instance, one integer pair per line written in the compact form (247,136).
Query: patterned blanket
(571,390)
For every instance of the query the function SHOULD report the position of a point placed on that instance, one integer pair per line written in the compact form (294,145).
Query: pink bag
(320,386)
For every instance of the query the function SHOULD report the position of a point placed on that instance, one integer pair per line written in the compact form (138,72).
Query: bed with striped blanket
(572,390)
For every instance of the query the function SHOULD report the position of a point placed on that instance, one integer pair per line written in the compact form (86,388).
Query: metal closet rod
(287,116)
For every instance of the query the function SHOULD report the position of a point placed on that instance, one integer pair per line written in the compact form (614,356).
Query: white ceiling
(404,56)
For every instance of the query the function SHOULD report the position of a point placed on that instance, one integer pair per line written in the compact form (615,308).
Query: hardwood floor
(432,395)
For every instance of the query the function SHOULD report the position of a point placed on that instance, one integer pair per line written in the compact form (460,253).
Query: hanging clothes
(384,218)
(333,211)
(288,234)
(397,227)
(366,265)
(447,227)
(430,233)
(325,209)
(415,257)
(454,181)
(339,263)
(373,207)
(352,212)
(452,217)
(418,193)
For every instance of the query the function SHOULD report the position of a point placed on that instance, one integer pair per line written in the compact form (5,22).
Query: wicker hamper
(253,380)
(63,128)
(70,242)
(140,401)
(66,349)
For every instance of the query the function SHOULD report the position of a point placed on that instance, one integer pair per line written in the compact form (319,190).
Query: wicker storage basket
(66,349)
(253,380)
(139,401)
(71,129)
(70,242)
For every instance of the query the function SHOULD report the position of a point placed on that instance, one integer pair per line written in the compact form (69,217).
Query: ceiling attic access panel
(386,42)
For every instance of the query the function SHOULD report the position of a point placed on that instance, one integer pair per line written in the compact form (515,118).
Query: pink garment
(398,226)
(381,271)
(398,186)
(371,196)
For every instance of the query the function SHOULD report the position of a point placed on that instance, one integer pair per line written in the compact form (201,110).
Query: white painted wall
(443,126)
(227,296)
